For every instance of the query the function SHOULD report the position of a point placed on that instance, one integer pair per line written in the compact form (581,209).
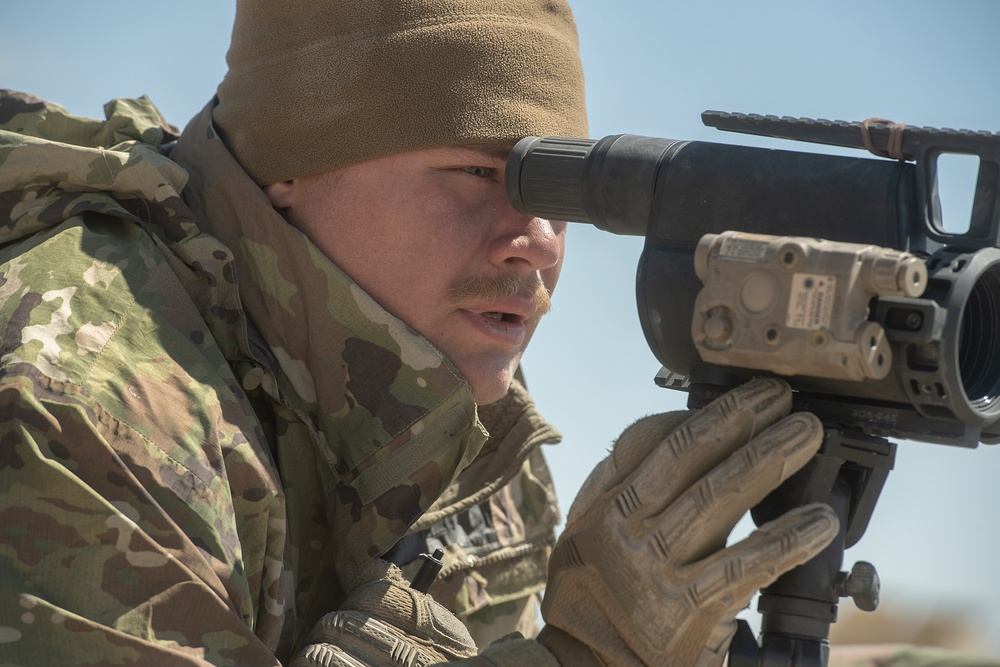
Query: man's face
(431,236)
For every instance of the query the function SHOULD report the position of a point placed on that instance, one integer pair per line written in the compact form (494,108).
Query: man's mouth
(503,317)
(500,324)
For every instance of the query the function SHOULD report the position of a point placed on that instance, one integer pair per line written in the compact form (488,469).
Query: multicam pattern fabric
(158,453)
(134,478)
(497,547)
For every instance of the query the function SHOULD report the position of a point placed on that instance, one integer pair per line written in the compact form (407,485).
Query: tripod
(848,474)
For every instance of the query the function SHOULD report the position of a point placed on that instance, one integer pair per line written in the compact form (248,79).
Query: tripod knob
(862,585)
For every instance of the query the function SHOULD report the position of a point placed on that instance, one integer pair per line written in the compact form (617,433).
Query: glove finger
(700,521)
(730,577)
(701,443)
(639,440)
(717,644)
(635,444)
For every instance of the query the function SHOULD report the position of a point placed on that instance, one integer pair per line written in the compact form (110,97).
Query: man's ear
(281,194)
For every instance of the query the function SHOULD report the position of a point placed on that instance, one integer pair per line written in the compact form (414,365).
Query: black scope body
(946,365)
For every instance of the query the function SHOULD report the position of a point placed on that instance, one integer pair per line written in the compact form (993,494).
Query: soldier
(245,376)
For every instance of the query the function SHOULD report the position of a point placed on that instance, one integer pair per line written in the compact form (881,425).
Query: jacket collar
(386,409)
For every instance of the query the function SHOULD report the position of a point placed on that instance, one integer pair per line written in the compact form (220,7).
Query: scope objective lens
(979,341)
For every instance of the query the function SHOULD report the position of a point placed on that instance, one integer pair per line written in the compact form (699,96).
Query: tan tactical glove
(385,622)
(641,574)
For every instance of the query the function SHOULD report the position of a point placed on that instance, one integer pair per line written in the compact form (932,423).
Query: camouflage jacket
(179,485)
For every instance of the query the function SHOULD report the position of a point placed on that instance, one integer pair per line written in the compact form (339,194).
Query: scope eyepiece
(609,183)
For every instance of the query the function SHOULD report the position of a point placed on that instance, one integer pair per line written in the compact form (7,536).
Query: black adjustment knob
(862,585)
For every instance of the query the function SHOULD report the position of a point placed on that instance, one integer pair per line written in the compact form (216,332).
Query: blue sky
(652,67)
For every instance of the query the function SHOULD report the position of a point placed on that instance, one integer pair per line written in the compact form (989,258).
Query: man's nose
(527,242)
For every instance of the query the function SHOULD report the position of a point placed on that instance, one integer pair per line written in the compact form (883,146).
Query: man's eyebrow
(498,152)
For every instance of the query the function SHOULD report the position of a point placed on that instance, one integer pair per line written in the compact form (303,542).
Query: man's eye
(480,172)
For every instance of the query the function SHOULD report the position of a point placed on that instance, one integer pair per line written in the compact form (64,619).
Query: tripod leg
(799,607)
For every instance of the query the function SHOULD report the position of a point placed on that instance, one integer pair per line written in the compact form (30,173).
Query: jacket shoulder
(99,334)
(93,303)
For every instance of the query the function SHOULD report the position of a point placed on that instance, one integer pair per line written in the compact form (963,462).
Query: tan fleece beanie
(318,84)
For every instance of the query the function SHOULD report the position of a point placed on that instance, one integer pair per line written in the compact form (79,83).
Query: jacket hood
(103,166)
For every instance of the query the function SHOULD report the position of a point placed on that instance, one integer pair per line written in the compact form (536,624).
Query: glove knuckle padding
(384,621)
(700,520)
(705,439)
(325,655)
(641,573)
(782,544)
(630,451)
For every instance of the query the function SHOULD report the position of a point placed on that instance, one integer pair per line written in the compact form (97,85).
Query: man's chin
(484,395)
(489,384)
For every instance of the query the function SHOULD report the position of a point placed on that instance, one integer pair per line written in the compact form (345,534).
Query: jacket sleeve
(94,568)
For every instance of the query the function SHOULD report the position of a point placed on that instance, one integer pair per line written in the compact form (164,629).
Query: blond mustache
(495,288)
